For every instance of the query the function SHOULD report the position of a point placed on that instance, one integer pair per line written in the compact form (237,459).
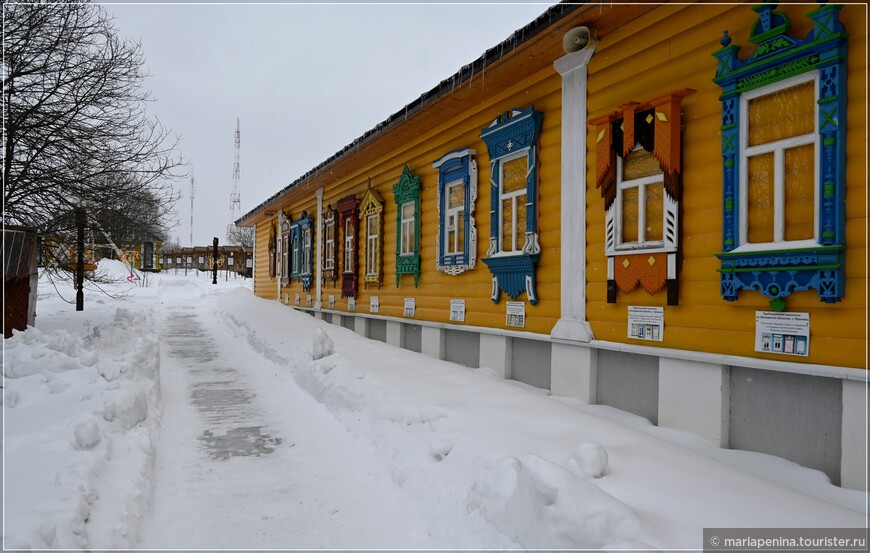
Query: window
(370,210)
(512,197)
(511,140)
(638,164)
(330,244)
(372,227)
(348,219)
(778,160)
(783,154)
(406,193)
(349,249)
(457,193)
(305,258)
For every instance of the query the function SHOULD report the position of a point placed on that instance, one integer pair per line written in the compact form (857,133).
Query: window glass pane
(655,208)
(799,197)
(760,194)
(639,163)
(460,236)
(507,225)
(521,221)
(782,114)
(456,196)
(514,175)
(451,240)
(630,198)
(408,210)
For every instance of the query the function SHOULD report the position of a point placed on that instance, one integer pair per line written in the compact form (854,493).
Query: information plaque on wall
(331,301)
(410,307)
(516,314)
(298,299)
(374,304)
(351,304)
(785,333)
(457,310)
(646,323)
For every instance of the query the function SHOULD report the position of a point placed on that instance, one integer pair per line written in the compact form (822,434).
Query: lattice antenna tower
(192,190)
(235,196)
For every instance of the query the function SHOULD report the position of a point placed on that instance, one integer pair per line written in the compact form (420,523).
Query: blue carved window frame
(777,273)
(512,132)
(294,251)
(454,167)
(305,226)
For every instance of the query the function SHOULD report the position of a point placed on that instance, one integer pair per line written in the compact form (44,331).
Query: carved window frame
(330,237)
(779,269)
(510,135)
(371,212)
(348,212)
(655,126)
(407,191)
(273,251)
(457,168)
(285,271)
(305,272)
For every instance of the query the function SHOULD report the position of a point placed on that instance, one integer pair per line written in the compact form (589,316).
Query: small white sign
(457,310)
(308,300)
(331,301)
(374,304)
(646,323)
(298,299)
(516,314)
(351,304)
(410,307)
(785,333)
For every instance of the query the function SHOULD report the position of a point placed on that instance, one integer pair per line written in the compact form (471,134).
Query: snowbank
(479,453)
(81,417)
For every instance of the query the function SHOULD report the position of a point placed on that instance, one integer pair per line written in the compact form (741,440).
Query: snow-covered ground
(190,415)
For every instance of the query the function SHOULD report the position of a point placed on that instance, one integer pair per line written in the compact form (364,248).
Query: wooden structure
(20,278)
(650,220)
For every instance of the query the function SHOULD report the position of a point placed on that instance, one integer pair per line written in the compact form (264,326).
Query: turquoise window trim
(407,190)
(780,271)
(512,132)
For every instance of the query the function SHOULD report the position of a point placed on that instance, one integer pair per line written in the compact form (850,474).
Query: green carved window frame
(406,193)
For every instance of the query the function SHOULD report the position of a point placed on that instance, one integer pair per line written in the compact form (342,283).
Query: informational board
(457,310)
(351,304)
(646,323)
(308,301)
(784,333)
(298,299)
(516,314)
(374,304)
(410,307)
(331,301)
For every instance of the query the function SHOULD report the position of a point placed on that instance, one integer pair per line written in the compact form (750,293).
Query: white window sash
(778,149)
(502,196)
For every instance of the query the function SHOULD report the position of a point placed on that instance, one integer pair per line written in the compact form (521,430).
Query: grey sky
(304,80)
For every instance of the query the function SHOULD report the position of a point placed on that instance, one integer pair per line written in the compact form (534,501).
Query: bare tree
(240,236)
(76,133)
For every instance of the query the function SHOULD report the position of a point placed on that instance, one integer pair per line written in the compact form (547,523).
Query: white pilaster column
(573,325)
(361,326)
(432,342)
(395,334)
(695,397)
(853,457)
(574,371)
(495,353)
(318,273)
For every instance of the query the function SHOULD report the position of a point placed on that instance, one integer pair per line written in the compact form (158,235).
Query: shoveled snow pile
(81,415)
(474,450)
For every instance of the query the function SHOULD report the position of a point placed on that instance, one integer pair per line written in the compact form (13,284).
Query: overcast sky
(304,81)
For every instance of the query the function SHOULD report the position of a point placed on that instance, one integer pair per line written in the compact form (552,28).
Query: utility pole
(80,259)
(235,196)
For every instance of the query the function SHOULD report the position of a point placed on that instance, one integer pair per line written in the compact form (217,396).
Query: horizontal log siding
(436,289)
(264,285)
(671,48)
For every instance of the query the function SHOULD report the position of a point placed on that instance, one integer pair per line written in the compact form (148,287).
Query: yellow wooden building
(657,207)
